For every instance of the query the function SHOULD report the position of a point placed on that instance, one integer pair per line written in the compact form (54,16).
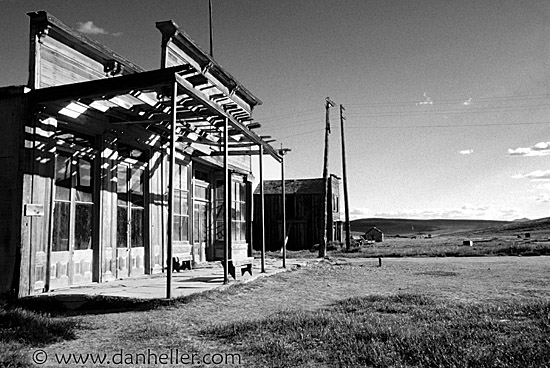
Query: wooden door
(71,256)
(130,220)
(202,223)
(200,231)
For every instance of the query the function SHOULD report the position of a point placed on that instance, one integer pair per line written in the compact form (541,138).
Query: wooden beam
(232,121)
(144,81)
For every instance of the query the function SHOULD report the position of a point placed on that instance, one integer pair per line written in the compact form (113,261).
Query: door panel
(71,257)
(130,221)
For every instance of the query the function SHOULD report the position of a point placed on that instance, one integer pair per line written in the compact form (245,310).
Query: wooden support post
(323,246)
(284,204)
(345,181)
(262,205)
(169,265)
(226,205)
(282,152)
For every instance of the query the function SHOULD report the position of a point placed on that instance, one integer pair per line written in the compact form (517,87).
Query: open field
(452,246)
(484,311)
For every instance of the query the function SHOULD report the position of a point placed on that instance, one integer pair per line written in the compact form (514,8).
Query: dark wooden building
(107,169)
(374,234)
(304,213)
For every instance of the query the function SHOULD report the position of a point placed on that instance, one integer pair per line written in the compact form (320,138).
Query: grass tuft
(399,330)
(20,328)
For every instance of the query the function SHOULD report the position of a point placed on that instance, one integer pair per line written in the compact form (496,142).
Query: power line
(445,126)
(469,99)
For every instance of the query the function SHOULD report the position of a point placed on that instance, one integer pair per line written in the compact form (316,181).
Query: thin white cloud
(358,213)
(539,149)
(463,212)
(534,175)
(543,186)
(545,197)
(90,28)
(467,152)
(427,100)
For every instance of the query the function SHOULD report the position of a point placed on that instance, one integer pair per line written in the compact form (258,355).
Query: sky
(446,102)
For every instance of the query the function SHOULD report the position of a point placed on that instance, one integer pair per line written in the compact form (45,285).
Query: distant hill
(539,226)
(392,227)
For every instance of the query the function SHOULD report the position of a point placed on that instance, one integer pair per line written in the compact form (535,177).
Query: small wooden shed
(374,234)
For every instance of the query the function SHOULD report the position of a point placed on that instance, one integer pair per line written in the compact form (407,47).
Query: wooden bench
(181,262)
(245,265)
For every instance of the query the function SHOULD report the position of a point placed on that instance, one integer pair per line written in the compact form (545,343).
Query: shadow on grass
(82,304)
(398,330)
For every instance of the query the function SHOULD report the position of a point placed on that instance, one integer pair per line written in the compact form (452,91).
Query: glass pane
(233,211)
(184,203)
(183,180)
(83,226)
(237,212)
(122,185)
(233,230)
(176,233)
(196,223)
(200,192)
(242,187)
(136,187)
(60,240)
(177,176)
(243,231)
(136,181)
(204,223)
(137,228)
(219,230)
(177,202)
(219,210)
(243,211)
(84,181)
(219,190)
(62,177)
(235,193)
(184,228)
(122,227)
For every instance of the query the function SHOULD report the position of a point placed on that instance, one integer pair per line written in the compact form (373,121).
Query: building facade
(107,170)
(304,213)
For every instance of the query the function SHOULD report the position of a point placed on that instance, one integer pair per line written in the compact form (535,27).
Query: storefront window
(181,215)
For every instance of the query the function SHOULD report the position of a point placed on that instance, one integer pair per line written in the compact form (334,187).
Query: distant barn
(304,213)
(374,234)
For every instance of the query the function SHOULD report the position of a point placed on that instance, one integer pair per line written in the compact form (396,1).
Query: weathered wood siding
(303,221)
(13,110)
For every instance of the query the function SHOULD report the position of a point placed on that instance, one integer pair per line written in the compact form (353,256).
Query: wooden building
(304,213)
(109,171)
(374,234)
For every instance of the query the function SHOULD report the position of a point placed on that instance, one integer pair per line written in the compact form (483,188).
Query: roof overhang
(145,99)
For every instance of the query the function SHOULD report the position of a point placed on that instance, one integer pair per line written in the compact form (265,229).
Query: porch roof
(144,99)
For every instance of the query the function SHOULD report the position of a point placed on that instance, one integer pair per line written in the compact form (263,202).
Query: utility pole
(323,246)
(210,29)
(345,180)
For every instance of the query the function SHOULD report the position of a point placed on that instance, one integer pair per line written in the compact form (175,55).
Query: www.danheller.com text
(150,357)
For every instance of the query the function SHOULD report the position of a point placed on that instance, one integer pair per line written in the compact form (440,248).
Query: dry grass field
(411,312)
